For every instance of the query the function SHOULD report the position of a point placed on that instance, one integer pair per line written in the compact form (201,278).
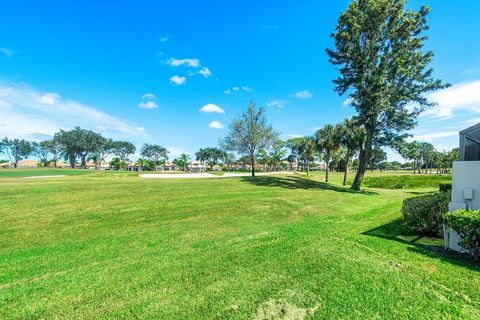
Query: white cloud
(216,125)
(148,101)
(205,72)
(178,80)
(194,63)
(237,88)
(29,113)
(292,135)
(460,97)
(175,152)
(428,137)
(212,108)
(347,102)
(49,98)
(304,94)
(7,52)
(277,103)
(163,39)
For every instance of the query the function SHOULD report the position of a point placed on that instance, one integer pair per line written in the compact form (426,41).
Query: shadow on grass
(397,231)
(293,182)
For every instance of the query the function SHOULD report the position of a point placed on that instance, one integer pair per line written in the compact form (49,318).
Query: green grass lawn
(113,246)
(35,172)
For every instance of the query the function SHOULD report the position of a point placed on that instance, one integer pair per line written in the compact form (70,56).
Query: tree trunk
(308,167)
(327,165)
(253,166)
(346,168)
(365,155)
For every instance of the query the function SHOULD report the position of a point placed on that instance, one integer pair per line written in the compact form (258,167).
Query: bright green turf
(28,172)
(115,246)
(407,181)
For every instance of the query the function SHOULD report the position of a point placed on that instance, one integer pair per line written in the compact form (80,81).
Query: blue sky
(142,70)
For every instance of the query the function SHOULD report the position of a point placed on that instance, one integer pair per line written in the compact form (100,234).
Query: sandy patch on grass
(206,175)
(281,309)
(43,177)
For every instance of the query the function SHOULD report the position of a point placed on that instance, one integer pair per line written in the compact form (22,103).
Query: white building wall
(466,175)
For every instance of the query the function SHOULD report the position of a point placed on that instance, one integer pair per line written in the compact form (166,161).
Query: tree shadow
(294,182)
(398,231)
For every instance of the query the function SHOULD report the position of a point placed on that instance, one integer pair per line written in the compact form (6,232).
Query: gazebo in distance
(465,180)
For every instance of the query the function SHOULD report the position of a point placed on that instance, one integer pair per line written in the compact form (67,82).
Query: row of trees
(385,70)
(74,146)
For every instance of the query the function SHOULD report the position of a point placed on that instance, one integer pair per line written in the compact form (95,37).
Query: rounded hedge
(424,214)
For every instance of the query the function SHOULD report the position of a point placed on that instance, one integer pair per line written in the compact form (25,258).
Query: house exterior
(167,166)
(465,180)
(27,164)
(197,166)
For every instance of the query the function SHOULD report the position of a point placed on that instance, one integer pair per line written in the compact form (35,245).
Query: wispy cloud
(277,103)
(205,72)
(347,102)
(178,80)
(164,39)
(429,137)
(460,97)
(237,89)
(189,62)
(216,125)
(304,94)
(26,112)
(292,135)
(212,108)
(175,152)
(7,52)
(148,101)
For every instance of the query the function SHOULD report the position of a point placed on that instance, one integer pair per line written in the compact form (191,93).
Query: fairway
(115,246)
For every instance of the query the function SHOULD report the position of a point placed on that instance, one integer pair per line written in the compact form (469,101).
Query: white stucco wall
(466,175)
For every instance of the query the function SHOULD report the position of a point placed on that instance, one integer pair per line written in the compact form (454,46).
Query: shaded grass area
(117,246)
(407,181)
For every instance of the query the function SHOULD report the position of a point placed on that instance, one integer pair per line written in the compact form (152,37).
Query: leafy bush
(467,224)
(445,187)
(407,181)
(424,214)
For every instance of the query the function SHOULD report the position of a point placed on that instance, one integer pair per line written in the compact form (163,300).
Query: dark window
(471,146)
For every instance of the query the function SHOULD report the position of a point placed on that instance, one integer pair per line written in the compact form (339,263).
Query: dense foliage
(445,187)
(383,65)
(424,214)
(467,224)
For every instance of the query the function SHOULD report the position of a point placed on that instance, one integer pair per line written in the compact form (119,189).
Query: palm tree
(304,149)
(183,161)
(352,137)
(327,141)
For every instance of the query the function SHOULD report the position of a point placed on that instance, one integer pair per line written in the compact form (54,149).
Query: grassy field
(28,172)
(393,181)
(112,246)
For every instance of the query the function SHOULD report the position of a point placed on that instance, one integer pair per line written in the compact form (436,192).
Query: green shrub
(445,187)
(467,224)
(424,214)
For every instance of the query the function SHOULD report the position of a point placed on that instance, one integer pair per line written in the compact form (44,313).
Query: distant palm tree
(352,137)
(327,141)
(183,161)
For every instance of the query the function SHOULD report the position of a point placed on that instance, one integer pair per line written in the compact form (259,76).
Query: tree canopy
(249,134)
(380,55)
